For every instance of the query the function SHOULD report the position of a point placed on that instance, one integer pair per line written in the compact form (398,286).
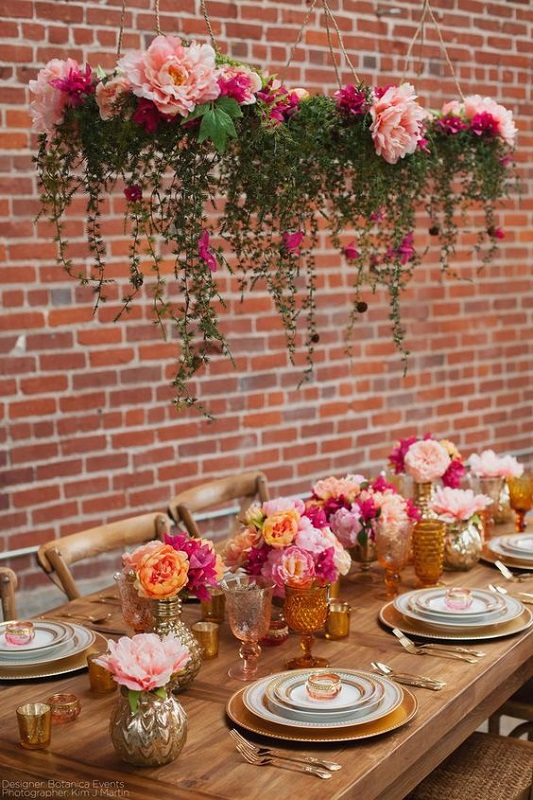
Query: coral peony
(455,505)
(144,662)
(162,573)
(396,122)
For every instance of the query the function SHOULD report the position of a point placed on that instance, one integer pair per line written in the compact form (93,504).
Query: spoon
(404,677)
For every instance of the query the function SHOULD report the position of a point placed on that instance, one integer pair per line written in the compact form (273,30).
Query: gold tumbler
(428,551)
(35,725)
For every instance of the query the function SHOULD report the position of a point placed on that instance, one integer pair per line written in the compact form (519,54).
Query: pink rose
(426,460)
(145,661)
(108,94)
(175,78)
(452,505)
(50,101)
(396,125)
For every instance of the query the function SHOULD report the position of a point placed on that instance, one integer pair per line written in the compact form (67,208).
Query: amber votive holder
(207,634)
(18,633)
(338,619)
(65,708)
(428,551)
(35,725)
(213,610)
(101,680)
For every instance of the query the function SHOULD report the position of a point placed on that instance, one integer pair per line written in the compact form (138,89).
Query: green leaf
(216,126)
(133,699)
(230,106)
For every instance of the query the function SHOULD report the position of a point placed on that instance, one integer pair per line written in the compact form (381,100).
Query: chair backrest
(55,556)
(229,496)
(8,584)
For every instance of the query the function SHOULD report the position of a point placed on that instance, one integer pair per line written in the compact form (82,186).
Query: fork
(263,761)
(512,576)
(272,751)
(459,653)
(524,597)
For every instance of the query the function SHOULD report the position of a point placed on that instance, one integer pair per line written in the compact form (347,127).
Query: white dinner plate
(255,700)
(512,609)
(433,603)
(48,634)
(522,544)
(80,640)
(498,547)
(357,690)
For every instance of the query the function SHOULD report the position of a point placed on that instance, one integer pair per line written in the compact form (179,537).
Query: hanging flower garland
(226,168)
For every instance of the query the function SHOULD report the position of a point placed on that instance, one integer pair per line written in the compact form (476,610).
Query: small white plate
(433,601)
(512,609)
(356,691)
(48,634)
(80,640)
(522,544)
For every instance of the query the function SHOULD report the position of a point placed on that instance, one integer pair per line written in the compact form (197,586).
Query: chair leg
(494,724)
(524,727)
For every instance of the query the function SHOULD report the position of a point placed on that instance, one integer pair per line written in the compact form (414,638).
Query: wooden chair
(55,556)
(484,767)
(519,707)
(8,584)
(223,497)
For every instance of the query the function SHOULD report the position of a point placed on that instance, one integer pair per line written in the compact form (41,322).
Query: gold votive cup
(100,679)
(207,634)
(323,685)
(35,725)
(428,550)
(213,610)
(338,619)
(65,707)
(17,633)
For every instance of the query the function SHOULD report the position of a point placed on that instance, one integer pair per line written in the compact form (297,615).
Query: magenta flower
(351,101)
(239,83)
(281,102)
(351,252)
(147,116)
(205,569)
(75,84)
(496,233)
(133,193)
(484,124)
(291,242)
(452,124)
(205,253)
(405,250)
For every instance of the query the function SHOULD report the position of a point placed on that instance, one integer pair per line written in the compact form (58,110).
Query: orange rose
(280,529)
(162,573)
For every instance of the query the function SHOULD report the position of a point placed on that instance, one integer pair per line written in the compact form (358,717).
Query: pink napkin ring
(323,685)
(19,632)
(458,599)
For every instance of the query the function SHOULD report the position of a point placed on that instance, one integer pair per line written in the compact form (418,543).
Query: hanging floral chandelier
(226,168)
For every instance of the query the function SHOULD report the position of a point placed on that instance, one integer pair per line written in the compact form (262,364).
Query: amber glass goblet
(305,610)
(521,498)
(428,551)
(248,603)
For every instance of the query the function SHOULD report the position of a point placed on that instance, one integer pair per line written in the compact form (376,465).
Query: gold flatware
(272,751)
(409,680)
(524,597)
(264,761)
(87,617)
(512,576)
(435,650)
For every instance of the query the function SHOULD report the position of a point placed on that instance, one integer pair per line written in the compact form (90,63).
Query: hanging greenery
(228,169)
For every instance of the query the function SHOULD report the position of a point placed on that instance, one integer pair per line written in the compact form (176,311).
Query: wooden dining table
(81,761)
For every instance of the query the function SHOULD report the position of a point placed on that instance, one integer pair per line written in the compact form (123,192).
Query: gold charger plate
(59,667)
(238,713)
(392,618)
(510,561)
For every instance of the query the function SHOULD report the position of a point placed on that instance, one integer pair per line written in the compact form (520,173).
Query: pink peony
(135,559)
(456,505)
(396,125)
(347,487)
(175,78)
(477,106)
(109,93)
(346,524)
(489,465)
(280,504)
(145,661)
(292,565)
(237,549)
(426,460)
(280,529)
(48,108)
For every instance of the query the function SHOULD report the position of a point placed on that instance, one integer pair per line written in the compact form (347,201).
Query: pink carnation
(426,460)
(175,78)
(455,505)
(48,108)
(144,662)
(396,125)
(489,465)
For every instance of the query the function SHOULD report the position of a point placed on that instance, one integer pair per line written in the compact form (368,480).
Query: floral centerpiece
(354,507)
(426,460)
(458,505)
(488,464)
(177,126)
(148,726)
(462,511)
(280,541)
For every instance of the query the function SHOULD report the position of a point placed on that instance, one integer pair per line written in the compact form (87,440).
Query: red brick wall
(89,432)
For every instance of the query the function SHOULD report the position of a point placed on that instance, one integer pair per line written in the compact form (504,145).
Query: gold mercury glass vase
(167,619)
(463,543)
(152,735)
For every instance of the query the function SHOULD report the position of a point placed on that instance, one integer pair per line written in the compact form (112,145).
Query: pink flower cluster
(458,505)
(280,541)
(427,460)
(489,465)
(481,115)
(59,85)
(353,507)
(205,566)
(145,662)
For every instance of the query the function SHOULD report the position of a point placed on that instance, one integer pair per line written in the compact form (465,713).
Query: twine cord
(157,19)
(208,25)
(121,31)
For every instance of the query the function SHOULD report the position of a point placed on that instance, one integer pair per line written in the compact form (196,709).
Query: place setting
(513,550)
(456,613)
(43,648)
(322,705)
